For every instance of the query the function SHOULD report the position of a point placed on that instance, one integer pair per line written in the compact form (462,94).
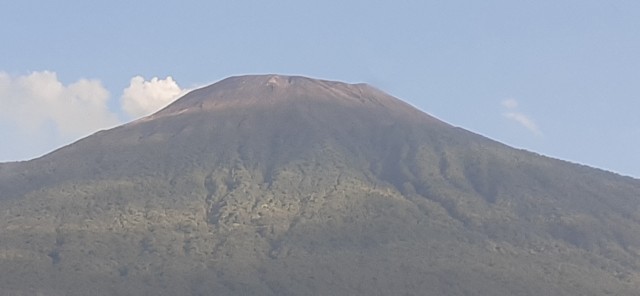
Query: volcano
(287,185)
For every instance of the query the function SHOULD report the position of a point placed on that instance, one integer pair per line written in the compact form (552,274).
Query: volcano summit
(285,185)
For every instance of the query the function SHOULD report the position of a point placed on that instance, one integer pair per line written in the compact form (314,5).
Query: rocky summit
(285,185)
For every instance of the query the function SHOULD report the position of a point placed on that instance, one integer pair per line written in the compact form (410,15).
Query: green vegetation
(306,187)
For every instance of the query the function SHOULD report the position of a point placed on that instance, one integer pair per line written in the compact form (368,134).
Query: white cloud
(38,113)
(39,99)
(38,106)
(510,104)
(142,97)
(524,121)
(513,114)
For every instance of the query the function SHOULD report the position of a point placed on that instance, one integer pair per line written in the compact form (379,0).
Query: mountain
(285,185)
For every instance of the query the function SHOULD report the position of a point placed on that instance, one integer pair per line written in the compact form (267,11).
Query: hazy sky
(561,77)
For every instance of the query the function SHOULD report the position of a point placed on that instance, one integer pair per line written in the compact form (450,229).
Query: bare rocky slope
(277,185)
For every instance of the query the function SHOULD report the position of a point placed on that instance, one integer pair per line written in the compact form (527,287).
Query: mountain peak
(276,91)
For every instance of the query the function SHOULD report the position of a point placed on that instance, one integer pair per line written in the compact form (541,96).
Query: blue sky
(560,78)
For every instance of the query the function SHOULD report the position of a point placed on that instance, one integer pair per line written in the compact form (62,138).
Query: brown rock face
(284,185)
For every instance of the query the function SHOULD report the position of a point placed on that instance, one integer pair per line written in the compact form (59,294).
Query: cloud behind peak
(143,97)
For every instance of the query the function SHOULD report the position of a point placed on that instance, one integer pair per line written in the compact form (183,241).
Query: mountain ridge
(270,89)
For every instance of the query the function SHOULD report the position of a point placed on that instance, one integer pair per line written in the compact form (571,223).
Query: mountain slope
(277,185)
